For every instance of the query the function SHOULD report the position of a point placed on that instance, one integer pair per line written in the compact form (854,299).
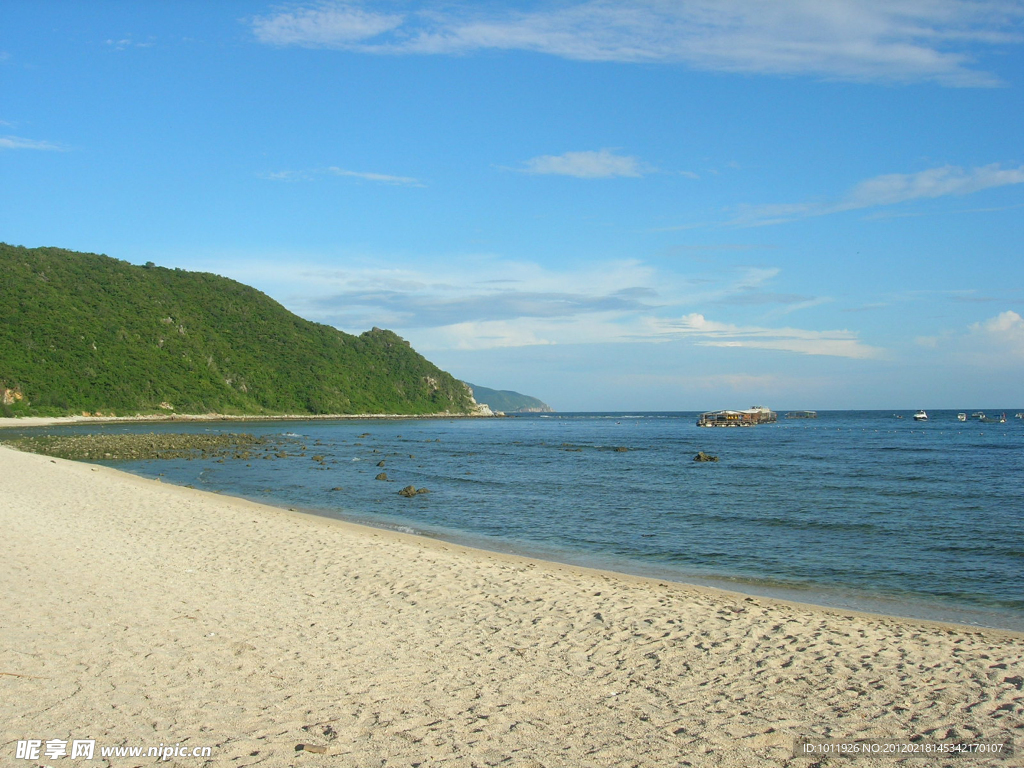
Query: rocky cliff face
(10,396)
(477,409)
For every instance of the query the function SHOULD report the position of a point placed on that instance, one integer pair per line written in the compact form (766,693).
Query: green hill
(507,401)
(84,332)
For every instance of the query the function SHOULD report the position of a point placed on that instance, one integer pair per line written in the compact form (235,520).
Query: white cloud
(286,176)
(475,303)
(896,188)
(859,40)
(993,344)
(379,178)
(326,25)
(1003,334)
(1005,323)
(16,142)
(602,164)
(127,42)
(382,178)
(889,189)
(710,333)
(475,336)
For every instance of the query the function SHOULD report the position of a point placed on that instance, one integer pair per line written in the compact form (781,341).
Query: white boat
(961,417)
(920,416)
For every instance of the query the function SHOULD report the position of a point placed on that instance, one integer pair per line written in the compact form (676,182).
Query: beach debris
(32,677)
(701,456)
(316,749)
(410,490)
(381,476)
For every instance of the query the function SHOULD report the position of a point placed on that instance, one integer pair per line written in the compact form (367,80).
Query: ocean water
(854,509)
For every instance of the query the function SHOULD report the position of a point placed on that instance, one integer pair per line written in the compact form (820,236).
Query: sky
(609,205)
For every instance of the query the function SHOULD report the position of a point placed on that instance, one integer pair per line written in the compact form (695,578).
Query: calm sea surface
(853,509)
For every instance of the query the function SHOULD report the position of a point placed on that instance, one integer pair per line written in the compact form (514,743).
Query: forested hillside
(506,401)
(85,332)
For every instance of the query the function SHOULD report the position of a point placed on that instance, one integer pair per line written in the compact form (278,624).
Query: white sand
(136,613)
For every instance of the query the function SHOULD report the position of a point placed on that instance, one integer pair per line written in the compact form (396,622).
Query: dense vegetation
(85,333)
(507,401)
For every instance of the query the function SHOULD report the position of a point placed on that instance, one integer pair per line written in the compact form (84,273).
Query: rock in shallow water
(410,490)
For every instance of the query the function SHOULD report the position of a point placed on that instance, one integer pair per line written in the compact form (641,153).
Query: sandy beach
(140,614)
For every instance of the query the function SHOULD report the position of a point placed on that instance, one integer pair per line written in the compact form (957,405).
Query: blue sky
(605,204)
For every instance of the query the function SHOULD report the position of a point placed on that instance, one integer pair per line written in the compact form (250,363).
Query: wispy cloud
(286,176)
(859,40)
(710,333)
(487,303)
(310,175)
(603,164)
(757,298)
(887,190)
(125,43)
(16,142)
(328,25)
(427,310)
(896,188)
(381,178)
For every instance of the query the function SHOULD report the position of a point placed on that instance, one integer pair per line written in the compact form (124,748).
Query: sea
(857,510)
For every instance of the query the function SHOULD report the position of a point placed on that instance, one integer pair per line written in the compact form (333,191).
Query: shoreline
(830,596)
(140,612)
(838,600)
(462,541)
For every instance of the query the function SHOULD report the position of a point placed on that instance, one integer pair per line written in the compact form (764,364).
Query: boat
(920,416)
(977,415)
(1000,419)
(961,417)
(1019,415)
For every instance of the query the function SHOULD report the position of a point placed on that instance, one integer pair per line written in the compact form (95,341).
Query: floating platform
(753,416)
(802,415)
